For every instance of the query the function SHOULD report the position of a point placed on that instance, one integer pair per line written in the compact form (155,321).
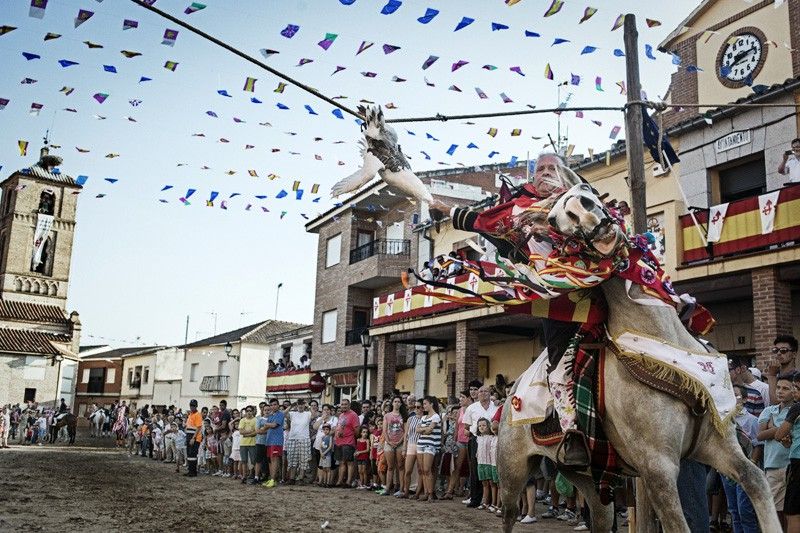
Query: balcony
(214,384)
(401,247)
(353,336)
(742,229)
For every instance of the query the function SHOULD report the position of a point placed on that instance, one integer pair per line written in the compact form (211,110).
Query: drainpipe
(427,237)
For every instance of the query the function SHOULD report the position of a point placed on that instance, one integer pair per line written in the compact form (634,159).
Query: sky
(143,261)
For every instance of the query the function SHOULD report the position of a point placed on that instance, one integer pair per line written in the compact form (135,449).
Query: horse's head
(581,214)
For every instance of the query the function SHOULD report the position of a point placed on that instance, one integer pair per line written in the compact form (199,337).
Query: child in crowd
(236,446)
(158,443)
(487,465)
(362,457)
(227,447)
(326,455)
(180,447)
(41,425)
(211,451)
(376,430)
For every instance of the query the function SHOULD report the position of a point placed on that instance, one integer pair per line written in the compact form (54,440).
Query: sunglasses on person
(781,350)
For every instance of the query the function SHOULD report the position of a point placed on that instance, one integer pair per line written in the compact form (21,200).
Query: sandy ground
(87,487)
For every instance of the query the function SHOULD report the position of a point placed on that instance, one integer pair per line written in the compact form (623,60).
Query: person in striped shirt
(429,442)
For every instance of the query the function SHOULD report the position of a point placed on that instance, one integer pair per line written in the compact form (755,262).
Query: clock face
(741,58)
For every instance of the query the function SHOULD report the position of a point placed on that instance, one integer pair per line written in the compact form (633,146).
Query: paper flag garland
(492,132)
(5,29)
(100,97)
(481,94)
(431,137)
(454,88)
(618,23)
(428,16)
(37,9)
(598,83)
(267,52)
(83,16)
(587,14)
(23,147)
(389,48)
(489,67)
(430,61)
(496,26)
(390,7)
(92,46)
(492,154)
(50,36)
(250,85)
(327,41)
(425,154)
(532,34)
(310,110)
(452,149)
(337,113)
(652,23)
(516,132)
(618,52)
(554,8)
(338,69)
(559,40)
(575,79)
(304,61)
(614,132)
(369,74)
(281,86)
(363,46)
(170,36)
(621,85)
(35,109)
(194,8)
(465,21)
(290,30)
(67,63)
(110,68)
(548,72)
(398,79)
(3,103)
(30,56)
(458,64)
(130,55)
(518,70)
(169,65)
(648,51)
(129,24)
(588,50)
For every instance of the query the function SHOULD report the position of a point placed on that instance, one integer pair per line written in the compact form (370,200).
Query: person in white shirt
(790,165)
(298,443)
(483,408)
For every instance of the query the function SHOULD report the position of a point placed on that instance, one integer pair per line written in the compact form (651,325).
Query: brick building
(100,377)
(365,245)
(39,339)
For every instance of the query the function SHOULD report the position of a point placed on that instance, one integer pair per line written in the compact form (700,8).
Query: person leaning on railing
(790,164)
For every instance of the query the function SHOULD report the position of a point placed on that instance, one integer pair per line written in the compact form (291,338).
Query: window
(364,237)
(743,181)
(286,353)
(343,393)
(333,251)
(361,317)
(47,202)
(222,368)
(193,371)
(85,377)
(97,376)
(111,375)
(45,264)
(130,377)
(307,348)
(30,395)
(146,375)
(329,326)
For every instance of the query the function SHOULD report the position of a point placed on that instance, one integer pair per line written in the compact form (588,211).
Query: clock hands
(741,56)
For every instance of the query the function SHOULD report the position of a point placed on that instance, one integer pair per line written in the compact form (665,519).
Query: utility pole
(186,334)
(634,137)
(277,299)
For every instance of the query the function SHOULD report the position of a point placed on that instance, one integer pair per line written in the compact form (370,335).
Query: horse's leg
(513,465)
(725,455)
(660,480)
(602,515)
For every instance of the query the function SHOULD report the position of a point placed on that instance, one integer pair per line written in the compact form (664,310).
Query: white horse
(97,420)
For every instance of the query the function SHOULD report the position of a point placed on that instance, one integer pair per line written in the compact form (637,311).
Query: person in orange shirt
(194,423)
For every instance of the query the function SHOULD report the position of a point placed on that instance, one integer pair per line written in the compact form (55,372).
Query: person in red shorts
(345,444)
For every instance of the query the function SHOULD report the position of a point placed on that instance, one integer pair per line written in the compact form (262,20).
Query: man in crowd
(784,361)
(194,423)
(345,444)
(261,442)
(298,443)
(776,456)
(274,441)
(790,164)
(483,408)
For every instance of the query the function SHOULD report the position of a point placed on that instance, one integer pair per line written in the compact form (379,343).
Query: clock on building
(741,57)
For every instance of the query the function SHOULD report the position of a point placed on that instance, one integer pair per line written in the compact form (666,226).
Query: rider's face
(546,178)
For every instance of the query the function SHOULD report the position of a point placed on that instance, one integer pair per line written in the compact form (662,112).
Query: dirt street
(96,488)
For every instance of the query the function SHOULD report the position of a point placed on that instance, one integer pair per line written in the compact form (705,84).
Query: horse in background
(98,420)
(69,421)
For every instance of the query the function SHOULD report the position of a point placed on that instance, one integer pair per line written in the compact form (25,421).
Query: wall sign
(732,140)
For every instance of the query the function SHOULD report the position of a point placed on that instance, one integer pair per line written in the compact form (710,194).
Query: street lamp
(58,358)
(228,348)
(365,342)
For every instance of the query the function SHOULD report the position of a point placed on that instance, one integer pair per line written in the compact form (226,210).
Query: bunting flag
(100,97)
(430,13)
(518,70)
(651,23)
(516,132)
(614,132)
(111,180)
(578,114)
(512,162)
(128,54)
(559,40)
(194,8)
(465,21)
(327,41)
(575,79)
(391,6)
(452,149)
(618,23)
(598,83)
(5,29)
(315,188)
(281,194)
(481,94)
(185,198)
(532,34)
(608,158)
(298,195)
(338,69)
(492,154)
(283,214)
(389,48)
(511,2)
(767,206)
(368,74)
(295,185)
(554,8)
(337,113)
(35,109)
(169,65)
(170,36)
(588,50)
(505,99)
(618,52)
(82,150)
(110,68)
(129,24)
(430,61)
(716,219)
(472,145)
(431,137)
(27,81)
(3,103)
(587,14)
(50,36)
(83,16)
(23,147)
(304,61)
(290,30)
(398,79)
(496,26)
(281,86)
(92,46)
(426,155)
(310,110)
(458,64)
(454,88)
(30,56)
(67,63)
(250,84)
(621,85)
(268,52)
(492,132)
(37,9)
(570,149)
(548,72)
(363,46)
(145,78)
(648,51)
(211,198)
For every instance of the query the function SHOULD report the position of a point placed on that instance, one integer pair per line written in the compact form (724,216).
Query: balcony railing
(353,336)
(742,230)
(400,247)
(214,384)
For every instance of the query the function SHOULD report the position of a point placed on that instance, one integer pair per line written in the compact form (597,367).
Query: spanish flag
(23,147)
(492,132)
(554,8)
(253,173)
(296,185)
(315,188)
(250,85)
(548,72)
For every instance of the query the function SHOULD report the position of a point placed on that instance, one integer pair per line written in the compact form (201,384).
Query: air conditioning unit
(658,170)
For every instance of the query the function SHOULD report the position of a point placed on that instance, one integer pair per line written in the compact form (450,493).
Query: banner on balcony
(44,223)
(767,205)
(715,222)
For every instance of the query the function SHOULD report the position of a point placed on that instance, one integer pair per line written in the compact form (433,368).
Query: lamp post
(57,359)
(365,342)
(228,348)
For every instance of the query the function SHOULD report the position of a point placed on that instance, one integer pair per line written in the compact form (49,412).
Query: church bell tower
(37,227)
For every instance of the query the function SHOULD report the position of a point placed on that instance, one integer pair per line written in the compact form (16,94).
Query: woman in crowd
(394,438)
(325,419)
(429,442)
(462,440)
(411,448)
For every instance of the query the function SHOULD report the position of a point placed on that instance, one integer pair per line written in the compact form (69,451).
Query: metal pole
(634,136)
(364,375)
(186,334)
(277,299)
